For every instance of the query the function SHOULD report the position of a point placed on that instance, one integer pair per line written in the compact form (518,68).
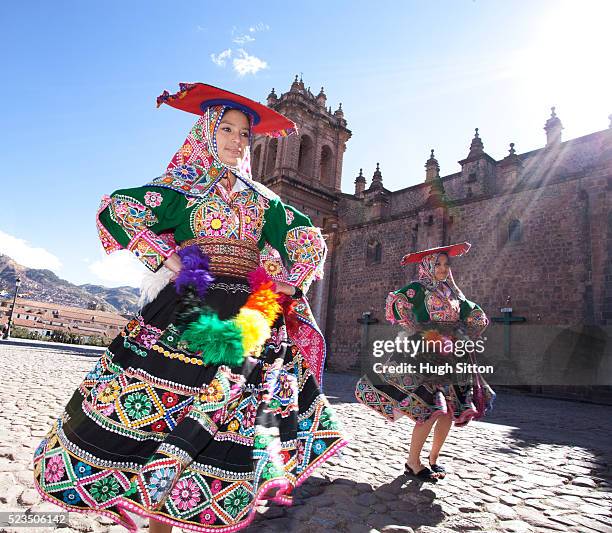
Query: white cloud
(221,58)
(259,27)
(27,255)
(200,28)
(248,64)
(118,268)
(243,39)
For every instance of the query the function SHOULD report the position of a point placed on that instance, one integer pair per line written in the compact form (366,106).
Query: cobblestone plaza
(536,464)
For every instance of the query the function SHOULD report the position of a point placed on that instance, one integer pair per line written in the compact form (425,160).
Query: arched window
(255,162)
(271,158)
(326,165)
(514,231)
(373,252)
(305,157)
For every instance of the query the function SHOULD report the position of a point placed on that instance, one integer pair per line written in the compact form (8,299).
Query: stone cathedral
(540,225)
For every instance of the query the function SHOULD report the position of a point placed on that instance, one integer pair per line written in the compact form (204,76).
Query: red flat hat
(453,250)
(196,97)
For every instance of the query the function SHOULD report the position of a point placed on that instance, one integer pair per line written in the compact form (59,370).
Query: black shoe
(425,474)
(438,469)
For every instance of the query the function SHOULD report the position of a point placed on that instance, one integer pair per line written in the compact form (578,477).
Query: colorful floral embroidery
(236,502)
(477,322)
(319,446)
(305,244)
(271,471)
(217,224)
(54,469)
(213,393)
(153,199)
(109,392)
(82,470)
(397,305)
(305,424)
(273,268)
(169,399)
(130,214)
(442,309)
(185,172)
(159,426)
(208,516)
(104,489)
(71,496)
(216,486)
(137,405)
(186,494)
(250,412)
(160,482)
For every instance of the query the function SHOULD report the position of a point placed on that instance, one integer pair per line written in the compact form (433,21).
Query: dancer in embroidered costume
(436,392)
(208,401)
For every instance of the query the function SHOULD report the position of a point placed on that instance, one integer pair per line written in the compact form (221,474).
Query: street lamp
(10,320)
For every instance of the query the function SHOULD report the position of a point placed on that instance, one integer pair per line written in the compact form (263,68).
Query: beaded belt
(230,257)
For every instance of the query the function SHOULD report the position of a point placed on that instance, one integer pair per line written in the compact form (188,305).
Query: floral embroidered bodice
(151,220)
(414,308)
(442,307)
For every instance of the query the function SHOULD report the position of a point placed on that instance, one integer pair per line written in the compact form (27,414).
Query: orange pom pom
(265,300)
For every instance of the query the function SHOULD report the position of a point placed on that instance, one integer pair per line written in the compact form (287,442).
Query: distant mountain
(45,286)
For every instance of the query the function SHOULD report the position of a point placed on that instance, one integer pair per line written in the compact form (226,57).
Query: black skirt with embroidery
(426,391)
(153,430)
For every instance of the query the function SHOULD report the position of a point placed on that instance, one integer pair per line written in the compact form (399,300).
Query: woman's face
(441,267)
(232,136)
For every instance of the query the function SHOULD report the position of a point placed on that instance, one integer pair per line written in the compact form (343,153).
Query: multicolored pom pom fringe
(224,341)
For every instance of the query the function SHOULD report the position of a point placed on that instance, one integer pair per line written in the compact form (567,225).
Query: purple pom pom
(194,272)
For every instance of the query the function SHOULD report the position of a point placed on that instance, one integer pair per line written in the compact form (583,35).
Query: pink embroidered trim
(381,412)
(299,274)
(109,243)
(331,451)
(283,485)
(155,242)
(128,523)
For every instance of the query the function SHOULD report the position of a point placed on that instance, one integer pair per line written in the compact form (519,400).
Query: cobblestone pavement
(536,465)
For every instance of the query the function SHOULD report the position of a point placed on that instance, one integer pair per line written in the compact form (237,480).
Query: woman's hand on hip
(285,288)
(174,263)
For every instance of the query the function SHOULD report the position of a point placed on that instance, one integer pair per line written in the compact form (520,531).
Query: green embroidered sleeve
(141,220)
(474,318)
(406,307)
(300,244)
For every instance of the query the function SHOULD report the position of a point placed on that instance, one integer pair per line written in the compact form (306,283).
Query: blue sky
(80,80)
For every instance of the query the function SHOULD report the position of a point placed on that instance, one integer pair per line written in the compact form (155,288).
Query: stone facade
(540,225)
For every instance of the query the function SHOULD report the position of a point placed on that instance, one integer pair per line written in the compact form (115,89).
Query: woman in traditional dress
(431,308)
(208,401)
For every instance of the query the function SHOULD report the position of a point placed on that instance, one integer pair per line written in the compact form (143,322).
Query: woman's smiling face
(232,136)
(441,267)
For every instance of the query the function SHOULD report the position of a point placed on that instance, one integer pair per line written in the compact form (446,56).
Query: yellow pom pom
(254,328)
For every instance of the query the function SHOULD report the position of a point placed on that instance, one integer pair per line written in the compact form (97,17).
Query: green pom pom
(220,341)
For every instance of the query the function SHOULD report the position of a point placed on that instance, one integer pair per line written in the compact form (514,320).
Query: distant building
(46,318)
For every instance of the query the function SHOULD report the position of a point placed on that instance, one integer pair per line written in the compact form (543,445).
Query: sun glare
(567,64)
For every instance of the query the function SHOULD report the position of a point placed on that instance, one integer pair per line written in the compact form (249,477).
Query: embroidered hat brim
(196,97)
(453,250)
